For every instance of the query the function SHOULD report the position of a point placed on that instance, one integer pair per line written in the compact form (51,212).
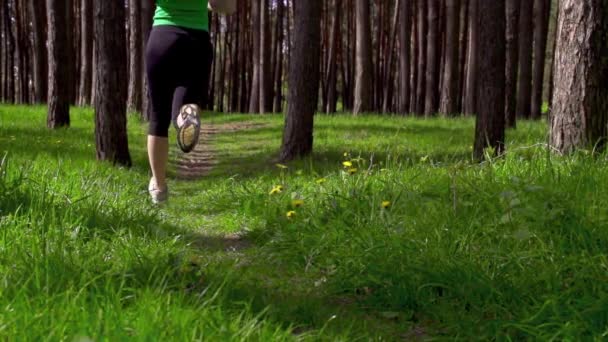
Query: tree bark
(579,116)
(332,73)
(513,8)
(86,53)
(254,101)
(490,104)
(449,98)
(471,76)
(542,12)
(405,33)
(265,70)
(135,60)
(59,90)
(303,81)
(110,102)
(524,93)
(431,103)
(147,13)
(38,12)
(364,66)
(422,44)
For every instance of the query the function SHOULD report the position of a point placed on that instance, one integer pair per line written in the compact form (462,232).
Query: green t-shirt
(184,13)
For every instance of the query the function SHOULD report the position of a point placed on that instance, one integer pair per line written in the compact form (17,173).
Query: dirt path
(202,160)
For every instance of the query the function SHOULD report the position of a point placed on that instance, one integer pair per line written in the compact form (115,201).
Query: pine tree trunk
(462,58)
(332,73)
(254,101)
(389,72)
(110,101)
(524,93)
(542,12)
(86,53)
(449,98)
(405,33)
(38,12)
(363,96)
(265,70)
(147,13)
(431,103)
(59,91)
(18,48)
(422,46)
(3,50)
(135,49)
(8,51)
(513,8)
(490,104)
(303,81)
(579,116)
(471,76)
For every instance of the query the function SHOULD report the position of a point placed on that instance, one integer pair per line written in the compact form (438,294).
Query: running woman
(178,62)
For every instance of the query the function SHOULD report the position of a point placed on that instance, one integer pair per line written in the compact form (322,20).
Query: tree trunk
(524,94)
(38,12)
(59,91)
(303,81)
(388,72)
(147,13)
(265,70)
(364,67)
(110,102)
(449,93)
(462,58)
(332,73)
(579,116)
(513,7)
(542,12)
(404,55)
(254,101)
(86,53)
(490,126)
(471,81)
(135,64)
(431,103)
(3,57)
(422,45)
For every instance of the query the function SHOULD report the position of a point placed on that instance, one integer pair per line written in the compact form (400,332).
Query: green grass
(511,249)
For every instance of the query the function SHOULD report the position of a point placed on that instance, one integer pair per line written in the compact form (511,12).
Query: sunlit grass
(388,231)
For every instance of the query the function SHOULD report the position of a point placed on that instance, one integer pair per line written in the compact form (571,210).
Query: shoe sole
(188,134)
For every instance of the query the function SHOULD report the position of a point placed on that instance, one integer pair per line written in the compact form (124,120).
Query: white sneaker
(188,125)
(156,194)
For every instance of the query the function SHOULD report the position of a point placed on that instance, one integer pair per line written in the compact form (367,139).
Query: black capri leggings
(178,63)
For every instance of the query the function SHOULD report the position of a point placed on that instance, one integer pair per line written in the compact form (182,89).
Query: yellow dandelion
(352,170)
(282,167)
(386,204)
(321,180)
(291,214)
(276,190)
(297,203)
(347,164)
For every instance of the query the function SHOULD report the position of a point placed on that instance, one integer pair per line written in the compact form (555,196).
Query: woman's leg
(160,57)
(195,68)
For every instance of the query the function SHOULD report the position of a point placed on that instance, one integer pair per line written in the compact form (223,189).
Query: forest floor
(388,232)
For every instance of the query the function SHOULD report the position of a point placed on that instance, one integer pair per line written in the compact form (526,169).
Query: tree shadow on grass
(74,144)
